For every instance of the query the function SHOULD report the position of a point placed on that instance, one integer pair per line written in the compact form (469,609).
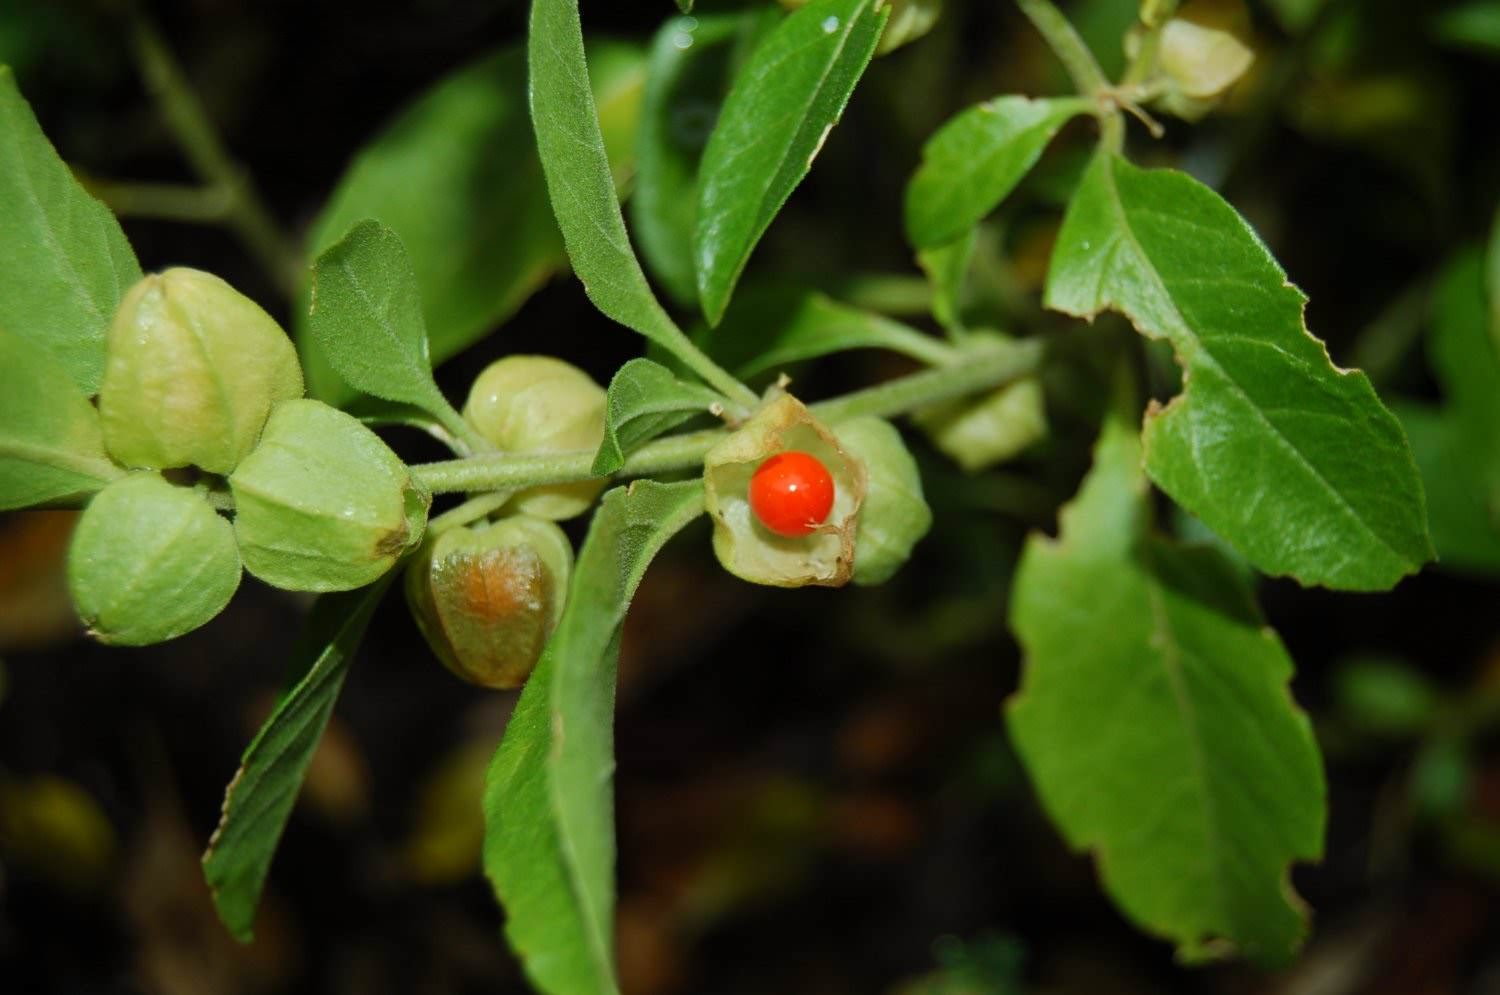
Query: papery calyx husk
(322,504)
(748,549)
(150,561)
(193,369)
(895,515)
(539,404)
(1198,61)
(488,596)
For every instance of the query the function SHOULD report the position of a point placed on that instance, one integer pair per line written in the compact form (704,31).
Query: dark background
(815,788)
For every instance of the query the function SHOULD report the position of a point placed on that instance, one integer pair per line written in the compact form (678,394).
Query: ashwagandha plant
(1153,716)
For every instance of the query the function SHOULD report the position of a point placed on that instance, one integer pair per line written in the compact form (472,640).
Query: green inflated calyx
(193,369)
(150,561)
(895,515)
(744,546)
(322,504)
(488,596)
(538,404)
(978,434)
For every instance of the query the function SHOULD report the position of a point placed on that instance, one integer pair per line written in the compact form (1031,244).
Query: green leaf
(579,181)
(456,176)
(947,269)
(644,400)
(260,798)
(64,262)
(366,317)
(688,74)
(1492,279)
(782,106)
(976,159)
(51,446)
(1293,461)
(548,802)
(1458,446)
(773,325)
(1156,725)
(1473,25)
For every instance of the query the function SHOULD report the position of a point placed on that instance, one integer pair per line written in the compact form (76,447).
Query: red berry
(791,493)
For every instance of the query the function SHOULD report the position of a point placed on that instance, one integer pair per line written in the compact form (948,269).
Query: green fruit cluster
(202,392)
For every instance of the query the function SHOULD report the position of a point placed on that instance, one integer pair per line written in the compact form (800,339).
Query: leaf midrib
(814,94)
(1128,233)
(1172,665)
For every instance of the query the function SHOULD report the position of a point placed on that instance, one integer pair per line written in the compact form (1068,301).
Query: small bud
(538,404)
(750,550)
(150,561)
(193,369)
(895,515)
(322,504)
(488,596)
(1198,63)
(980,434)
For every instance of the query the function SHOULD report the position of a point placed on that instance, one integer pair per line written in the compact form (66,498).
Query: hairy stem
(976,370)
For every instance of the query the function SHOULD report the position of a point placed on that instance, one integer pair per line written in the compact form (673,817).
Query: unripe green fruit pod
(748,549)
(150,561)
(488,596)
(193,369)
(980,434)
(322,504)
(538,404)
(895,515)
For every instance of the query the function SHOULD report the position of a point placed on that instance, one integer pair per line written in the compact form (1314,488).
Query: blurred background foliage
(816,793)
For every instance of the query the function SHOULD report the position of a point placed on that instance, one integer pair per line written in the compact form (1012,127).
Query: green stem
(978,370)
(163,201)
(896,295)
(740,397)
(470,511)
(461,430)
(1067,45)
(200,144)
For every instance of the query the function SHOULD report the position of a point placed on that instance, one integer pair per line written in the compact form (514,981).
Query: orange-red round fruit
(791,493)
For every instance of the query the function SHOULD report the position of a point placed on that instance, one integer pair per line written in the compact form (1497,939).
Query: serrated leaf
(688,74)
(579,181)
(366,317)
(260,798)
(51,445)
(644,400)
(1458,446)
(456,176)
(773,325)
(1154,720)
(783,104)
(64,262)
(549,844)
(1292,460)
(976,159)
